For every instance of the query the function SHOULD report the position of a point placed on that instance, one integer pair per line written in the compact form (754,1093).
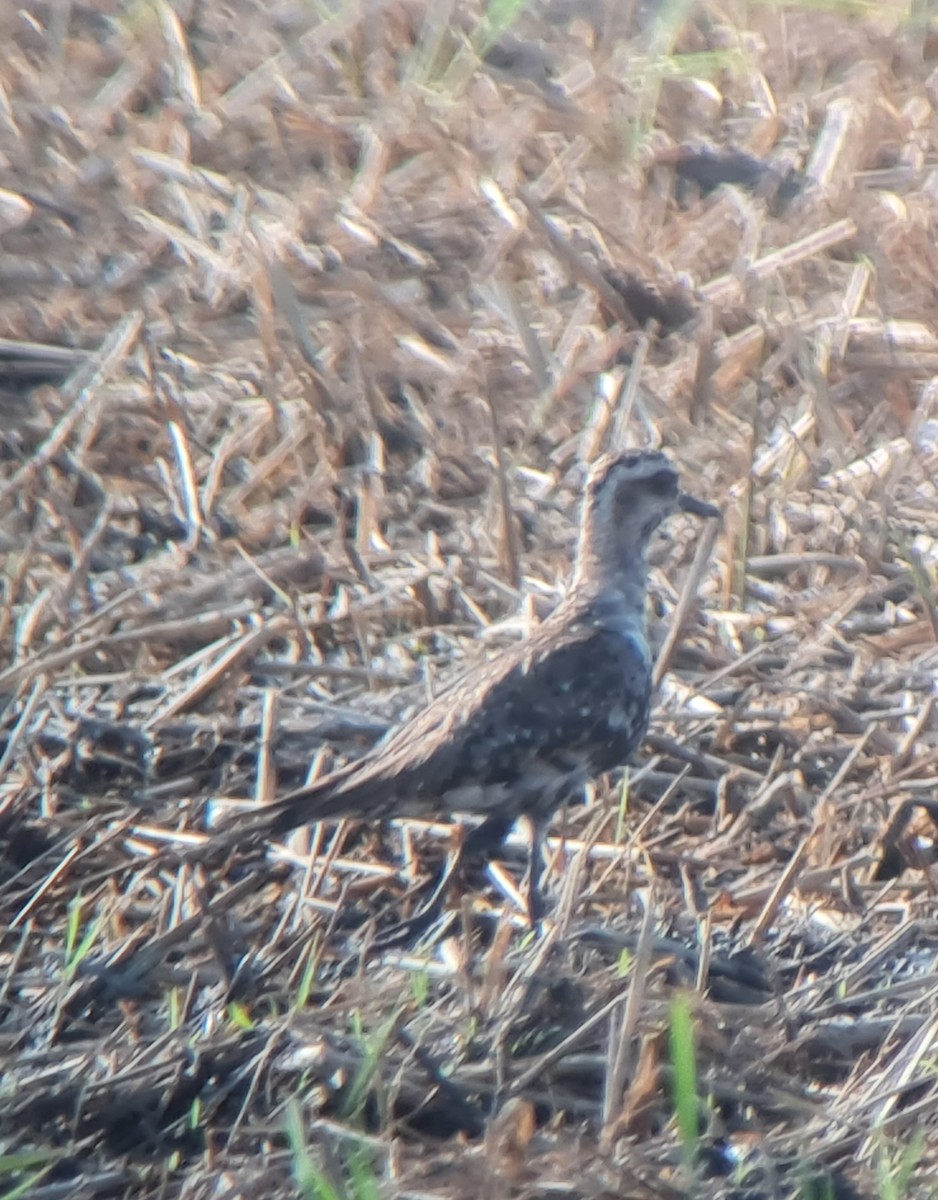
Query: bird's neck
(613,568)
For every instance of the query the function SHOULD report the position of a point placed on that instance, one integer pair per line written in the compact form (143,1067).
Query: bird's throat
(620,577)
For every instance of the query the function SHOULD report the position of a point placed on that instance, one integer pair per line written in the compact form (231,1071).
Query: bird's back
(514,736)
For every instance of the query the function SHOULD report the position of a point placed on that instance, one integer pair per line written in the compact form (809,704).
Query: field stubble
(338,312)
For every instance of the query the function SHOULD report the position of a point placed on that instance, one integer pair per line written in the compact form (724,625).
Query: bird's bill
(700,508)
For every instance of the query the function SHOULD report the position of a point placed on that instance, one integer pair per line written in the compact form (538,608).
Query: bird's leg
(486,837)
(481,840)
(537,906)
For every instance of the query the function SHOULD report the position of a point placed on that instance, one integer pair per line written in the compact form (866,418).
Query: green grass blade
(373,1047)
(684,1072)
(311,1181)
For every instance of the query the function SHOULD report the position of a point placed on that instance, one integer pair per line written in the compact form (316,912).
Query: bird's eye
(663,484)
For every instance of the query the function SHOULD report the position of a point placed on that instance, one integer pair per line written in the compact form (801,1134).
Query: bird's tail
(319,801)
(324,800)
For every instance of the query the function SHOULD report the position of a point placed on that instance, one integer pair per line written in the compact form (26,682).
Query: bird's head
(626,497)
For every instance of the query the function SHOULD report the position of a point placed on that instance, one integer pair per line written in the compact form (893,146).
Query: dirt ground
(312,315)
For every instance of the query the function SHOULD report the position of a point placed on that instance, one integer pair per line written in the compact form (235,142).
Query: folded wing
(556,707)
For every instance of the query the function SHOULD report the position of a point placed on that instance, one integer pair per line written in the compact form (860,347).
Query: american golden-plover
(519,735)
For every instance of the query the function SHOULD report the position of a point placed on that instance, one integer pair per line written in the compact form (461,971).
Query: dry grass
(336,290)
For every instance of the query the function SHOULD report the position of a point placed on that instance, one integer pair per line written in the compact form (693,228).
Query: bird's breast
(621,701)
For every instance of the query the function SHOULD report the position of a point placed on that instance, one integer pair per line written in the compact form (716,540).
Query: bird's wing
(569,696)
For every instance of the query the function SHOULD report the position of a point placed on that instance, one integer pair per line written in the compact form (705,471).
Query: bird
(519,735)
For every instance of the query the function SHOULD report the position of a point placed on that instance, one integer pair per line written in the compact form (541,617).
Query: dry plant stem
(906,748)
(79,394)
(431,331)
(629,393)
(594,434)
(178,432)
(830,142)
(786,882)
(911,1066)
(660,805)
(40,352)
(575,871)
(495,967)
(266,774)
(621,1047)
(207,680)
(705,381)
(186,244)
(315,873)
(705,941)
(581,267)
(49,882)
(688,600)
(505,881)
(71,593)
(562,1049)
(727,287)
(19,729)
(506,294)
(509,539)
(880,954)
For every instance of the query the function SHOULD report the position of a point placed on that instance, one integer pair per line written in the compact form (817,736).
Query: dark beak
(700,508)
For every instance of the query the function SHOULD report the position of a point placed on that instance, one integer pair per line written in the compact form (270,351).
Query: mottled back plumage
(521,734)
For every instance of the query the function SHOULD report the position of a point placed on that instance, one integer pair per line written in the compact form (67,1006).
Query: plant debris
(293,298)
